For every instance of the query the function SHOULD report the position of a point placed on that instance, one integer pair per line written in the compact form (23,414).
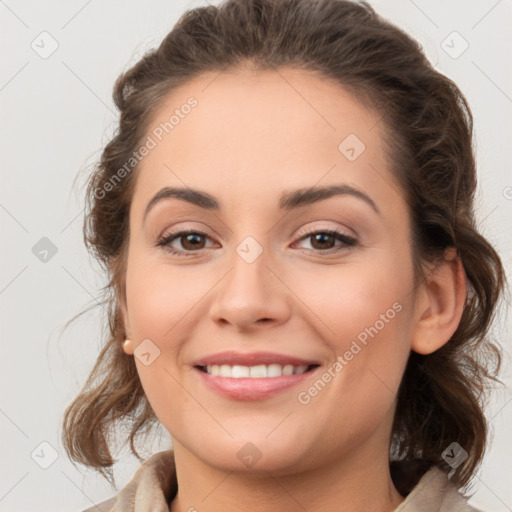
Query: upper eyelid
(302,234)
(345,214)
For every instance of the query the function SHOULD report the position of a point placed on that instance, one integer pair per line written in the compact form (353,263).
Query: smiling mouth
(261,371)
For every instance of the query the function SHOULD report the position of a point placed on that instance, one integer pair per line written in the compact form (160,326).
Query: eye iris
(190,237)
(321,237)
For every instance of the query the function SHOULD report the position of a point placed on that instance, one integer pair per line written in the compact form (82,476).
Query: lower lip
(252,388)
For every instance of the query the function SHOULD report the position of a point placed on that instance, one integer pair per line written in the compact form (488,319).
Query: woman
(298,292)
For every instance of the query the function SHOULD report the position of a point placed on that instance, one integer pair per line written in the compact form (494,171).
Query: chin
(253,454)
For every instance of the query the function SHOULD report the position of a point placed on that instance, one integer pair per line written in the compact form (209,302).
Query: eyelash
(348,242)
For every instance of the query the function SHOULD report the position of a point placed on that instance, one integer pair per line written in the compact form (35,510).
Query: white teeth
(225,370)
(240,371)
(274,370)
(259,371)
(288,369)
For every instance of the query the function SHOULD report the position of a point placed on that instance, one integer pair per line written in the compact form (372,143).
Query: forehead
(259,131)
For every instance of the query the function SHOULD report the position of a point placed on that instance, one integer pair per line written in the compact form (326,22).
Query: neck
(358,482)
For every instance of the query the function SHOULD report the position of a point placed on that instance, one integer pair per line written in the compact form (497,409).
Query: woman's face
(261,287)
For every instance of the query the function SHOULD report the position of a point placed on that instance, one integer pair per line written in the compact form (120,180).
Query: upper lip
(232,357)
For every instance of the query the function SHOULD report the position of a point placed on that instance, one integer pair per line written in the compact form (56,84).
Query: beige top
(154,486)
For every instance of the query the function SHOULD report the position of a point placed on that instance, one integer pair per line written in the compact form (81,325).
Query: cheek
(351,299)
(159,297)
(365,315)
(161,304)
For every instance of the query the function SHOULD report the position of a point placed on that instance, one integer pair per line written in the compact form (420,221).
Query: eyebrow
(287,201)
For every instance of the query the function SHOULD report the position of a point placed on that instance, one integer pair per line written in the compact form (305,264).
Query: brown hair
(429,128)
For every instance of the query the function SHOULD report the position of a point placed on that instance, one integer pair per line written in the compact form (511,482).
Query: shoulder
(435,493)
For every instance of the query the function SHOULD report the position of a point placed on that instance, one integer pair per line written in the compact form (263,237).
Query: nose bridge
(248,280)
(250,291)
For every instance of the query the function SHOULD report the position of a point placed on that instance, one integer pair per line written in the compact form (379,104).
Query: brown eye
(190,242)
(324,241)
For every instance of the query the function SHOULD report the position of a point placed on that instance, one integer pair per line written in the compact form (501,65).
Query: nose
(251,296)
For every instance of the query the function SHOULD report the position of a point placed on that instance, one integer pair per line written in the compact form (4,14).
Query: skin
(253,136)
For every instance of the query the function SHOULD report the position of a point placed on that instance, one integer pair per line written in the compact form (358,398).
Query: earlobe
(440,304)
(128,347)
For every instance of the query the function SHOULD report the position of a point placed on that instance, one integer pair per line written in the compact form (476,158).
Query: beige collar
(145,492)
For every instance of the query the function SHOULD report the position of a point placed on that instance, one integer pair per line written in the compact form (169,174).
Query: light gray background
(57,113)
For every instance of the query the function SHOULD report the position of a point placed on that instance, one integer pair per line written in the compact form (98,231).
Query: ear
(439,304)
